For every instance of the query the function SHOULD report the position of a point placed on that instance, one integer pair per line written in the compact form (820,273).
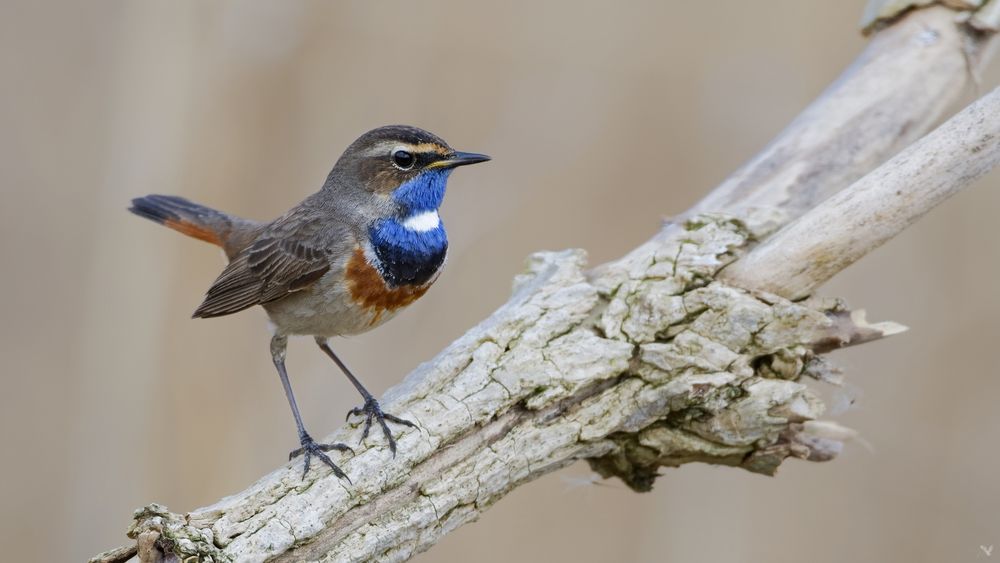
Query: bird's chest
(395,267)
(408,253)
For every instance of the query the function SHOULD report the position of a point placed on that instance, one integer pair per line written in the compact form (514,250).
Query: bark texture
(652,360)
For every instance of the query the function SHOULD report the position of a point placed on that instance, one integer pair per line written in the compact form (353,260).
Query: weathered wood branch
(652,360)
(655,365)
(892,94)
(852,223)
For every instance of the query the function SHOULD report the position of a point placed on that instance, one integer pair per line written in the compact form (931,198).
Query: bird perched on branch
(342,262)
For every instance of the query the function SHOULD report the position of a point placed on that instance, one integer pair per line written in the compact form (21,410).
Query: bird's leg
(371,408)
(309,446)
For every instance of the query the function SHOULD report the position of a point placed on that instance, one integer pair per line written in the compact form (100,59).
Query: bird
(343,261)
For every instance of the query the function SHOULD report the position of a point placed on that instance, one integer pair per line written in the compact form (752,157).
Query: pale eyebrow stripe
(386,146)
(430,147)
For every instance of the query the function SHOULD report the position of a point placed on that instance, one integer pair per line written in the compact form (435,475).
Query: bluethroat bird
(345,260)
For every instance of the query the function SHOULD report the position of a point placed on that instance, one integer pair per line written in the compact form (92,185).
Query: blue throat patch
(409,257)
(423,193)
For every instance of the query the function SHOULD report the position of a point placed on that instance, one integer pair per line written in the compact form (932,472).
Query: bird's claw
(311,448)
(372,411)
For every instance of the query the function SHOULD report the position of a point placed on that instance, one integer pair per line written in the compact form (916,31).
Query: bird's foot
(373,411)
(311,448)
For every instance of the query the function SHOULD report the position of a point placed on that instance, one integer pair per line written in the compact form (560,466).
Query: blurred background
(602,118)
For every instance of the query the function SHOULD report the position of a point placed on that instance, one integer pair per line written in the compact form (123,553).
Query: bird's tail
(198,221)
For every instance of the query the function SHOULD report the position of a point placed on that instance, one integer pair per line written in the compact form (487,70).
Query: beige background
(602,117)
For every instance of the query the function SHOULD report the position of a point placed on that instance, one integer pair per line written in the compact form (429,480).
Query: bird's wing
(283,260)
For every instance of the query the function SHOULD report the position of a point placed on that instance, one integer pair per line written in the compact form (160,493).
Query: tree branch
(837,233)
(644,362)
(892,94)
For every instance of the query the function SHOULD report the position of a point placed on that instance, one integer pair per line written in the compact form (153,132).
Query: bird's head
(404,168)
(392,182)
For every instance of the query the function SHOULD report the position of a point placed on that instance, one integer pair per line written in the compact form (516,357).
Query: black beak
(460,159)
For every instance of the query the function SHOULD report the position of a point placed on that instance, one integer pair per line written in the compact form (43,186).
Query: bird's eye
(403,159)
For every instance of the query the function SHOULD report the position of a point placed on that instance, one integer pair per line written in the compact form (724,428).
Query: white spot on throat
(423,222)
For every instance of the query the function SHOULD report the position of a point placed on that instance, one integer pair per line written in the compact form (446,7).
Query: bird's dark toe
(338,447)
(311,448)
(397,420)
(373,412)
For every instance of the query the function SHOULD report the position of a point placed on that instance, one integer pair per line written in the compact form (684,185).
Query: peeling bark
(879,13)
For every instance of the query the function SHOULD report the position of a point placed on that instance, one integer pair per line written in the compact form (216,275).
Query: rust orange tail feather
(190,229)
(197,221)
